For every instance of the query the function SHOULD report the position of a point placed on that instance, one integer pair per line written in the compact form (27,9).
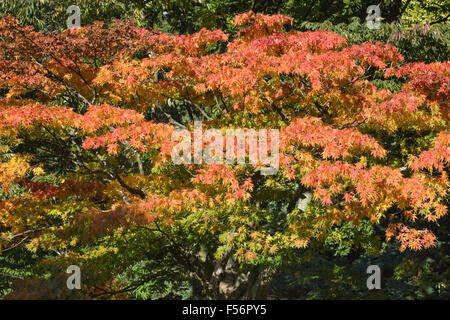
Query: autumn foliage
(79,107)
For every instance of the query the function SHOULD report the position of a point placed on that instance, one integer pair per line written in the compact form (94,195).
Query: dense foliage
(188,16)
(87,177)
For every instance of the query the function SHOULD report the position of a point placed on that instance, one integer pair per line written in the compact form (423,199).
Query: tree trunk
(227,283)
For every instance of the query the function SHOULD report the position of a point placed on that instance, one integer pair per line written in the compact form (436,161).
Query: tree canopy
(87,120)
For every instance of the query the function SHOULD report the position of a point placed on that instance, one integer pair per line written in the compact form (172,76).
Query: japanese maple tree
(86,120)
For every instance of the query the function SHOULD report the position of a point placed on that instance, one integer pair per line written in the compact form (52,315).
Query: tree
(50,15)
(87,118)
(181,16)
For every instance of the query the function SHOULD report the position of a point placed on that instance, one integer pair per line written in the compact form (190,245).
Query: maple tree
(87,117)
